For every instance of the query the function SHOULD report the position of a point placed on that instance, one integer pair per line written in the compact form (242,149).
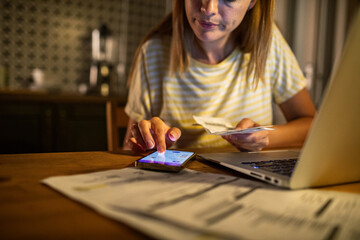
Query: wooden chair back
(117,121)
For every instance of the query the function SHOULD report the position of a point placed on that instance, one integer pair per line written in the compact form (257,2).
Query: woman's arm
(299,112)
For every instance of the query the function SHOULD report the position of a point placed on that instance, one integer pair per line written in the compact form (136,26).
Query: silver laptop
(331,154)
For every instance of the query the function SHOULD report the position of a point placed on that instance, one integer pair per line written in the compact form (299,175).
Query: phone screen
(170,158)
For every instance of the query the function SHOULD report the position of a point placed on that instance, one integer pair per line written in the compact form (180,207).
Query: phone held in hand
(171,160)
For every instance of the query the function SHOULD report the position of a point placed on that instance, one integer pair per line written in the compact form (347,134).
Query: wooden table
(30,210)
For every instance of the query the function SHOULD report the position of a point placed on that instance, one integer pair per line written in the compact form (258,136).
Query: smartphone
(171,160)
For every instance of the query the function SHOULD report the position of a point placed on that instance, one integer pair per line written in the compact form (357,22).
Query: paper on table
(222,126)
(192,205)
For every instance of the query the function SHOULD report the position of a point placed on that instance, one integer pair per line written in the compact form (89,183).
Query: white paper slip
(222,126)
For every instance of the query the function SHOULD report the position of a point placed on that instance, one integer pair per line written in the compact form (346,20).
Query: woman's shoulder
(277,36)
(279,46)
(156,44)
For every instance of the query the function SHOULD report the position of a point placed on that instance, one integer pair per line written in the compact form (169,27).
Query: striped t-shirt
(219,90)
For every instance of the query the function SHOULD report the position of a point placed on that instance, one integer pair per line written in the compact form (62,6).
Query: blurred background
(58,37)
(62,61)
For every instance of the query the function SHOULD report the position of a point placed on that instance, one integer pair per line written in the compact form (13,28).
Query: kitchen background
(50,51)
(55,36)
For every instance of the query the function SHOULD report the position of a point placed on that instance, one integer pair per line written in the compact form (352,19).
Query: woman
(218,58)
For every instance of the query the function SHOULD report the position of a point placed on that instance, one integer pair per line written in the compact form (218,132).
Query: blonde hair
(253,36)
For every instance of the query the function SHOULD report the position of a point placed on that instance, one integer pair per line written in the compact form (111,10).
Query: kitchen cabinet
(40,122)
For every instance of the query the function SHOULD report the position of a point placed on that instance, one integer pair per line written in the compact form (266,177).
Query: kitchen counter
(43,96)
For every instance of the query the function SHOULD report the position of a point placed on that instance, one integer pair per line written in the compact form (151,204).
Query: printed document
(194,205)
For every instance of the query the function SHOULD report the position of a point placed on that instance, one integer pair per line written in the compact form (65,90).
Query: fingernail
(172,137)
(150,144)
(161,149)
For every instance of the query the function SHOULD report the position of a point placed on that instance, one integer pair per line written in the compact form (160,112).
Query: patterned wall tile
(55,35)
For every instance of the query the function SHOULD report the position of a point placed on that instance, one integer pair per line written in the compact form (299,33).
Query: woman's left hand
(251,141)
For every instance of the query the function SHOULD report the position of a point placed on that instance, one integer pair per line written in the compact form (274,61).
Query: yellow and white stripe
(217,90)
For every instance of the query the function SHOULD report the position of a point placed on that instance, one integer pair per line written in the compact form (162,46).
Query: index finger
(158,128)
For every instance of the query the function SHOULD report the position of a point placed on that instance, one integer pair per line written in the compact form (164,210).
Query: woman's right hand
(148,134)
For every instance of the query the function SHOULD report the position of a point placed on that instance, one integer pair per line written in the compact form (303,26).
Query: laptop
(331,153)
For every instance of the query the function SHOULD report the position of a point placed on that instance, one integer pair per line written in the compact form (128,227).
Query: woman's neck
(212,52)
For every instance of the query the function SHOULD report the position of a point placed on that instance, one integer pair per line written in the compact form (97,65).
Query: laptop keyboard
(283,167)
